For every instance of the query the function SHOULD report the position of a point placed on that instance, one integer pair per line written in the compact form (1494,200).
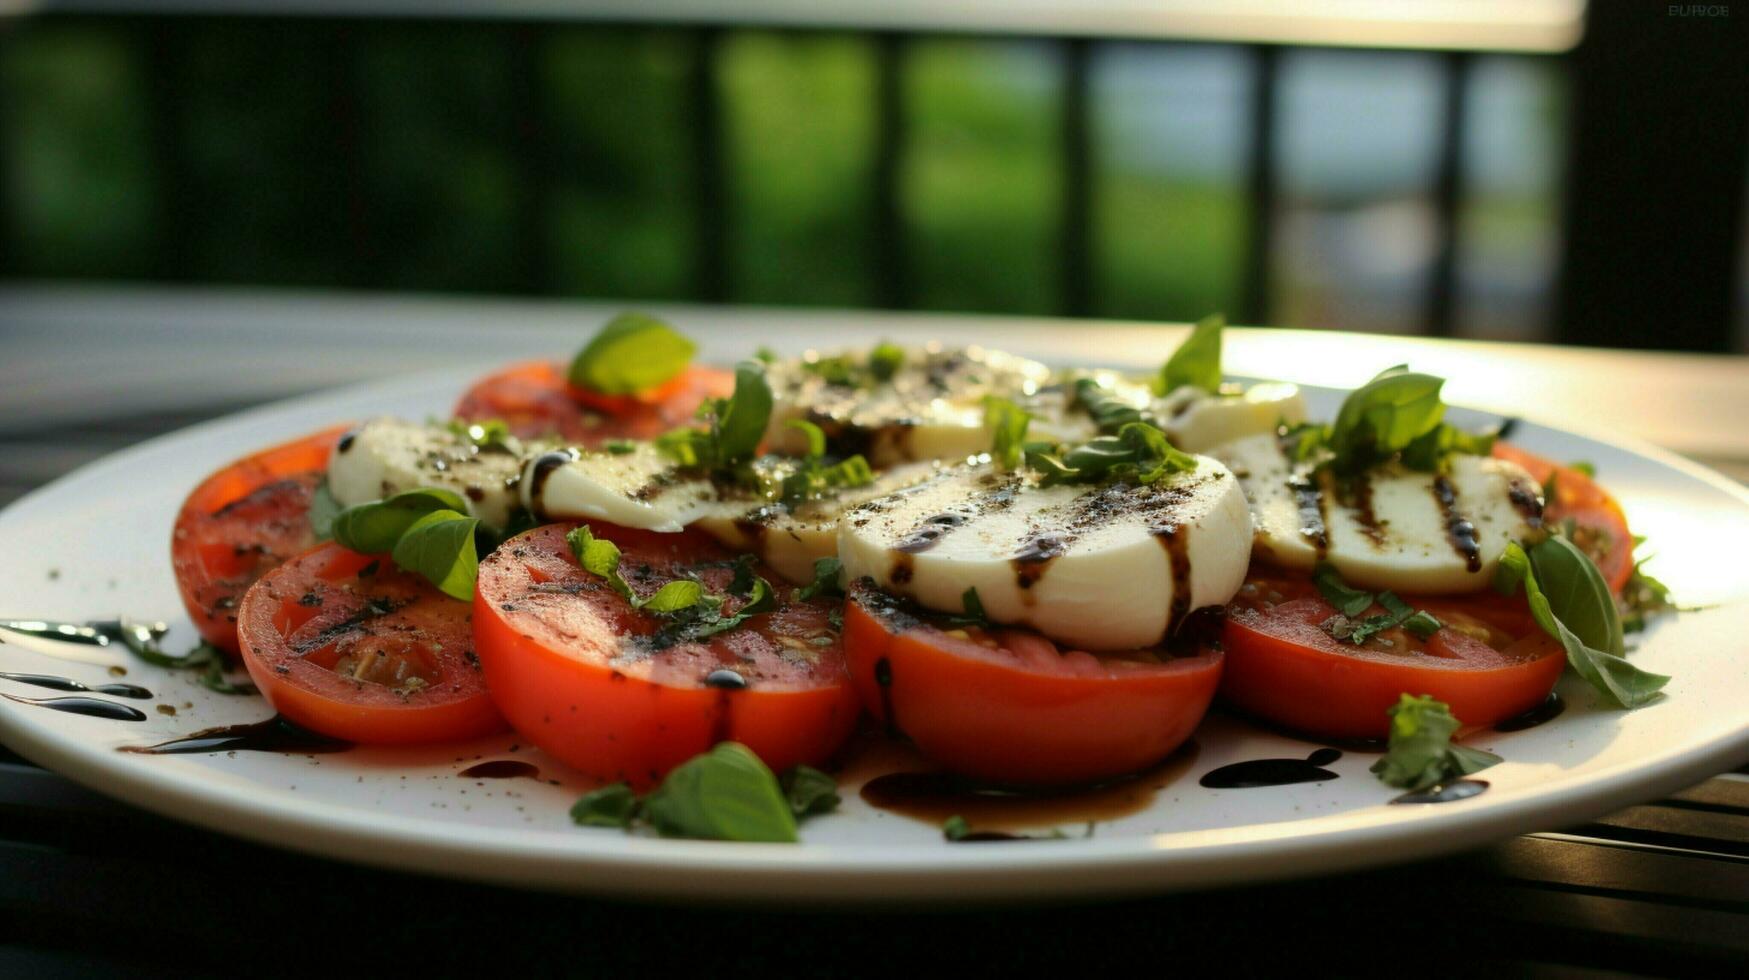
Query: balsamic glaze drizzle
(275,734)
(1548,710)
(1458,529)
(90,707)
(500,769)
(54,683)
(1273,772)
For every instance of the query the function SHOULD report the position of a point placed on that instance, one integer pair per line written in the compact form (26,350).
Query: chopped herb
(735,425)
(209,660)
(692,613)
(1006,422)
(955,828)
(614,805)
(1396,415)
(726,793)
(885,360)
(1571,602)
(1108,411)
(809,791)
(973,606)
(323,510)
(813,477)
(1138,453)
(490,434)
(1423,624)
(1197,362)
(827,574)
(836,370)
(634,352)
(620,447)
(1351,602)
(1643,596)
(1421,753)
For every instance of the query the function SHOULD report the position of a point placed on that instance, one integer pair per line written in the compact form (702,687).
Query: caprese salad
(692,584)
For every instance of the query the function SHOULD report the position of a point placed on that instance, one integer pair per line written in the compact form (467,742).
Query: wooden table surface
(88,885)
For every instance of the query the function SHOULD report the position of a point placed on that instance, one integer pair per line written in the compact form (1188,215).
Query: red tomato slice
(1008,706)
(581,674)
(239,524)
(535,401)
(1489,661)
(1600,525)
(351,646)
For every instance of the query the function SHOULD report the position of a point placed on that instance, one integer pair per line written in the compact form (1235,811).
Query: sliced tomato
(1600,527)
(1488,661)
(598,684)
(351,646)
(1010,707)
(240,523)
(535,401)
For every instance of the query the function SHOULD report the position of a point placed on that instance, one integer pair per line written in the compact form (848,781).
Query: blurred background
(1510,169)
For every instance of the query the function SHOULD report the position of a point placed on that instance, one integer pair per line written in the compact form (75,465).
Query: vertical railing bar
(1255,299)
(527,51)
(1077,175)
(1448,189)
(11,249)
(887,251)
(174,208)
(710,177)
(345,65)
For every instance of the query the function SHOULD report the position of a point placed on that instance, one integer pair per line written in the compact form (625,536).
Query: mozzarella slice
(639,489)
(791,541)
(1101,568)
(931,408)
(1195,420)
(386,456)
(1391,527)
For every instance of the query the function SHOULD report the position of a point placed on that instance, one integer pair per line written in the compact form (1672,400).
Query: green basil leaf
(1593,645)
(613,805)
(956,828)
(1384,416)
(827,574)
(1420,753)
(724,794)
(761,598)
(673,597)
(809,791)
(1197,362)
(973,605)
(1423,624)
(633,352)
(620,447)
(489,434)
(323,510)
(1006,422)
(439,547)
(815,435)
(1350,602)
(1108,411)
(740,423)
(599,556)
(373,528)
(885,360)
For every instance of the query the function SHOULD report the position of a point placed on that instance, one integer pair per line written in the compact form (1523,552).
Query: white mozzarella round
(386,456)
(1391,527)
(1100,568)
(931,408)
(1197,421)
(639,489)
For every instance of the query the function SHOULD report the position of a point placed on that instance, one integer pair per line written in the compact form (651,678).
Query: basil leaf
(724,794)
(809,791)
(634,352)
(955,828)
(373,528)
(815,435)
(1384,416)
(1420,753)
(205,658)
(439,547)
(490,434)
(1138,453)
(885,360)
(973,605)
(1006,422)
(827,574)
(599,556)
(760,599)
(673,597)
(323,510)
(1593,641)
(1350,602)
(613,805)
(1423,624)
(740,422)
(620,447)
(1426,452)
(1197,362)
(1108,411)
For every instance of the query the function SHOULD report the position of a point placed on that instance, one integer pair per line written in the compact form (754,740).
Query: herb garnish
(692,613)
(1351,602)
(1397,415)
(1006,422)
(489,434)
(813,477)
(1197,362)
(426,531)
(323,509)
(1642,596)
(884,360)
(736,425)
(827,574)
(1572,603)
(1137,454)
(634,352)
(1421,753)
(726,793)
(1108,411)
(142,641)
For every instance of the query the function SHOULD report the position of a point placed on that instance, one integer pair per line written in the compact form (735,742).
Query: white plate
(93,545)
